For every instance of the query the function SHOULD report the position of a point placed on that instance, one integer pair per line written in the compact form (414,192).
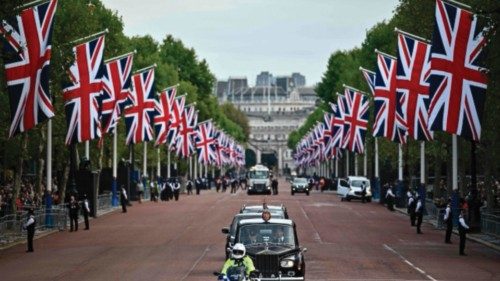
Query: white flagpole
(87,150)
(145,159)
(454,165)
(355,164)
(114,200)
(191,167)
(336,167)
(422,163)
(168,162)
(49,157)
(158,166)
(195,167)
(400,162)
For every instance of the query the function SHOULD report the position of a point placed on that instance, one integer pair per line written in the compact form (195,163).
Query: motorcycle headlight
(286,263)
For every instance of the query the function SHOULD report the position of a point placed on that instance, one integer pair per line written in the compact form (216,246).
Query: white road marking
(409,263)
(316,233)
(196,263)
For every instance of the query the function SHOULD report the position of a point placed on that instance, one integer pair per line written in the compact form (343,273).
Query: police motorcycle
(236,273)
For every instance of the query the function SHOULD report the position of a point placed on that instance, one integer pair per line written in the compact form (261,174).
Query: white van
(350,188)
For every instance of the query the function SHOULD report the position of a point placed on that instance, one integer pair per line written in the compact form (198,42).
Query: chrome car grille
(267,264)
(260,186)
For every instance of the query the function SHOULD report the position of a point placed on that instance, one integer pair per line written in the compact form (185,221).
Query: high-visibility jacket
(246,262)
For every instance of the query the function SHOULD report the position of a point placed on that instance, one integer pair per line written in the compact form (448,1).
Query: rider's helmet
(239,251)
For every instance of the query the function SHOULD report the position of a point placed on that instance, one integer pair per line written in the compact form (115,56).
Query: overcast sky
(245,37)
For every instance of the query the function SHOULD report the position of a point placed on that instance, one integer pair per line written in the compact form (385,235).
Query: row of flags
(99,93)
(426,87)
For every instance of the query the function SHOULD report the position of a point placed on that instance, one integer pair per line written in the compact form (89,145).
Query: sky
(245,37)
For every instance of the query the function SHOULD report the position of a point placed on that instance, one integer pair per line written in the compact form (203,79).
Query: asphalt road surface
(183,241)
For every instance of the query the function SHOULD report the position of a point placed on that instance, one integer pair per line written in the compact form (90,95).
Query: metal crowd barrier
(490,223)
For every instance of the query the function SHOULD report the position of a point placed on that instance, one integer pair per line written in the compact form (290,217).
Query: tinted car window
(266,233)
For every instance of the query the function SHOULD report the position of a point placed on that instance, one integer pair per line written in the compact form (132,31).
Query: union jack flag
(205,143)
(388,122)
(338,125)
(27,45)
(184,142)
(457,84)
(175,120)
(162,118)
(83,95)
(355,120)
(327,134)
(220,145)
(411,83)
(370,79)
(115,97)
(139,116)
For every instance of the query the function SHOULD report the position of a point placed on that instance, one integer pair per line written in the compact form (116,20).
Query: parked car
(351,188)
(300,185)
(274,247)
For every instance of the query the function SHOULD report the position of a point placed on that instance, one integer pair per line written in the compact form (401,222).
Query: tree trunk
(19,170)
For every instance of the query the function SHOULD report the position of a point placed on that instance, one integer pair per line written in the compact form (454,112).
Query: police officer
(448,219)
(123,199)
(419,212)
(176,186)
(389,196)
(73,213)
(86,211)
(189,186)
(30,227)
(274,185)
(462,230)
(198,184)
(412,203)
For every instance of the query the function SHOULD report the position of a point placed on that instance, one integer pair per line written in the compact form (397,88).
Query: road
(183,241)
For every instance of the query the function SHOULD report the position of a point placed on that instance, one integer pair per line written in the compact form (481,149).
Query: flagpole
(365,162)
(48,197)
(347,163)
(121,56)
(422,163)
(87,150)
(168,162)
(90,37)
(400,162)
(355,164)
(336,166)
(376,158)
(454,165)
(195,167)
(145,159)
(114,199)
(191,168)
(158,166)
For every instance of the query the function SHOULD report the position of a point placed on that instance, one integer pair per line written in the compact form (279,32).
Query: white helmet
(239,251)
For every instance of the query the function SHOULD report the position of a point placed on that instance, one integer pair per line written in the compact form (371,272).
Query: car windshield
(258,175)
(300,181)
(237,219)
(276,213)
(359,183)
(266,233)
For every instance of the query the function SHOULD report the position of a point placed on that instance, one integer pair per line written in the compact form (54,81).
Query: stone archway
(250,157)
(270,160)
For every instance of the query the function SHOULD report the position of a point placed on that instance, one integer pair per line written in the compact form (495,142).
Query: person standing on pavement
(462,230)
(419,212)
(123,199)
(448,219)
(30,228)
(176,187)
(73,213)
(363,193)
(412,204)
(198,183)
(389,196)
(189,186)
(86,211)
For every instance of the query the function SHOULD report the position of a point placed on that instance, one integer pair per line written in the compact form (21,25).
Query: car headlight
(286,263)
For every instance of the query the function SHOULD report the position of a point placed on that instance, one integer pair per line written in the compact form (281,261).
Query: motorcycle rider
(238,258)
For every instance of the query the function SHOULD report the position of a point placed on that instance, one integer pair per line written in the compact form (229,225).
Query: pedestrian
(86,211)
(73,213)
(140,190)
(176,186)
(123,199)
(363,192)
(189,186)
(448,219)
(198,183)
(218,184)
(154,190)
(224,184)
(30,228)
(233,185)
(412,203)
(274,185)
(419,212)
(389,196)
(462,230)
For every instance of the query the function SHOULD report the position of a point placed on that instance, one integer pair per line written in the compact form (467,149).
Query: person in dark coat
(448,219)
(363,192)
(86,211)
(123,199)
(198,184)
(233,185)
(73,213)
(189,186)
(176,187)
(419,212)
(30,228)
(462,231)
(274,186)
(412,203)
(389,197)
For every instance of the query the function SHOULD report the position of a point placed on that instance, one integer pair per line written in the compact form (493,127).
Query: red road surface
(182,241)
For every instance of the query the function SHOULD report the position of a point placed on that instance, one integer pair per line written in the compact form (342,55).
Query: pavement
(182,241)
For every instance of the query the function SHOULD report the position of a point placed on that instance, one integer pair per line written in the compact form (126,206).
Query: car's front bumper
(284,278)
